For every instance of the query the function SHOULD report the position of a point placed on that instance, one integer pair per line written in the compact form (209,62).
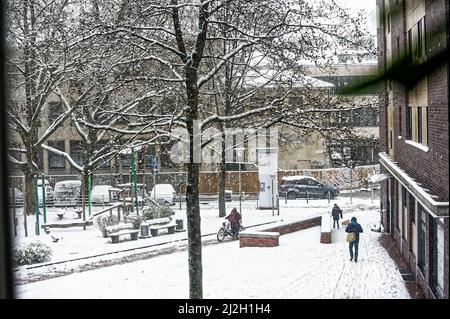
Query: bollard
(329,195)
(144,230)
(179,223)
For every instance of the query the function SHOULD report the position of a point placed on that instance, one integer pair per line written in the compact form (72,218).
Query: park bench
(47,226)
(114,232)
(258,239)
(161,223)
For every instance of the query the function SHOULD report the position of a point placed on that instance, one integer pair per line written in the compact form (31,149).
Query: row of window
(77,152)
(413,228)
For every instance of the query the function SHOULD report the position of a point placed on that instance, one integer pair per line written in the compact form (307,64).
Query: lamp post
(239,152)
(351,165)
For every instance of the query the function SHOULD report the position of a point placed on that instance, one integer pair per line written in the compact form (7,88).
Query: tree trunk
(29,194)
(192,194)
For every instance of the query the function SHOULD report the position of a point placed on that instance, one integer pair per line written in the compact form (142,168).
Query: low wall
(251,239)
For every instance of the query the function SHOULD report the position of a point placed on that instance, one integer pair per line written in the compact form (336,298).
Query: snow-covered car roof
(101,189)
(296,178)
(68,183)
(161,187)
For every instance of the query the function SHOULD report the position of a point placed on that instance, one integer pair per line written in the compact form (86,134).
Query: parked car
(49,193)
(100,194)
(298,186)
(165,194)
(68,193)
(228,195)
(18,196)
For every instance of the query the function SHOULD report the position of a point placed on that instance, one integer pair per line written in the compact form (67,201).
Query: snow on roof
(75,182)
(296,178)
(379,177)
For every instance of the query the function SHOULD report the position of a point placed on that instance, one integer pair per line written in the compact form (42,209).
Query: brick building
(414,139)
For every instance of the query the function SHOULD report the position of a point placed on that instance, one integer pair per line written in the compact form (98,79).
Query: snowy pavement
(300,267)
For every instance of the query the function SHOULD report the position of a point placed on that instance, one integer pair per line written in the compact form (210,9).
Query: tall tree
(170,41)
(38,63)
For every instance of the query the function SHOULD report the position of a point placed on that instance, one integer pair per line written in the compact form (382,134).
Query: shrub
(136,220)
(31,253)
(105,221)
(156,212)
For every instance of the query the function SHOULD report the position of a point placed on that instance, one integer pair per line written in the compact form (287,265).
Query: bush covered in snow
(135,219)
(105,221)
(31,253)
(156,212)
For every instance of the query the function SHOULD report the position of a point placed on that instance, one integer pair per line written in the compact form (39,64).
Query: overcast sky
(370,8)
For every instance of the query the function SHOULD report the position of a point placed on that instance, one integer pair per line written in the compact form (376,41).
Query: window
(54,110)
(412,208)
(416,41)
(421,238)
(419,124)
(77,152)
(421,38)
(426,124)
(56,161)
(295,101)
(409,122)
(410,45)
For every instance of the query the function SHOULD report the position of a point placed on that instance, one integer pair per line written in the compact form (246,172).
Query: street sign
(153,162)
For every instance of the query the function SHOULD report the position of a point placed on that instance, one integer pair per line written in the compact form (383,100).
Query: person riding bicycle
(235,220)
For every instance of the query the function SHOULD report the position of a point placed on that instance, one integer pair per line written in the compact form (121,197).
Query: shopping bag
(351,237)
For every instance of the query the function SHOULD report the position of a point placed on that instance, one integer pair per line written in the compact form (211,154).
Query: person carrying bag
(353,229)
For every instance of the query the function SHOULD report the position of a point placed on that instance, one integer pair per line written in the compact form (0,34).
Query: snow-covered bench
(258,239)
(161,223)
(114,232)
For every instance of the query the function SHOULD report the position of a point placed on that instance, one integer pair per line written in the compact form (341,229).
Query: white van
(68,193)
(49,193)
(165,194)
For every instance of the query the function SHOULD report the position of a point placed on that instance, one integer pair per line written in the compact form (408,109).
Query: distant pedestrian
(353,237)
(336,213)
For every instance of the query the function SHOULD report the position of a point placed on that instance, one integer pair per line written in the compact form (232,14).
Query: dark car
(299,186)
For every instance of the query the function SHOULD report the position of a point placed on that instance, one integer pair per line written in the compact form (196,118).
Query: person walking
(336,213)
(354,229)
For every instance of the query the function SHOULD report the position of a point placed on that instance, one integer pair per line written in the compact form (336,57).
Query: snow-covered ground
(77,243)
(300,267)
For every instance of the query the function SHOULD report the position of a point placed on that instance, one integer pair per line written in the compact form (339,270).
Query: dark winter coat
(354,228)
(336,212)
(234,219)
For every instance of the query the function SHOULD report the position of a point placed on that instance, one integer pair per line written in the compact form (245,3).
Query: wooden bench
(114,232)
(161,223)
(258,239)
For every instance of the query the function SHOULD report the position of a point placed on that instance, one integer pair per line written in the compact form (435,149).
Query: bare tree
(38,64)
(183,45)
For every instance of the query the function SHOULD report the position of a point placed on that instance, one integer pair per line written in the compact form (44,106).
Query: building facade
(414,139)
